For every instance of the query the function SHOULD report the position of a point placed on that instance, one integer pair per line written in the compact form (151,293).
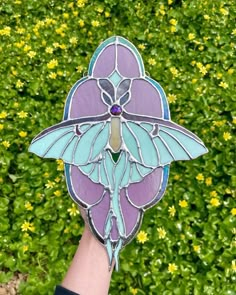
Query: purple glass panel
(145,99)
(130,214)
(87,191)
(114,230)
(144,192)
(127,63)
(99,214)
(86,101)
(105,63)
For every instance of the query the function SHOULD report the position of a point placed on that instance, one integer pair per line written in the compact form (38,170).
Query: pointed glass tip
(115,78)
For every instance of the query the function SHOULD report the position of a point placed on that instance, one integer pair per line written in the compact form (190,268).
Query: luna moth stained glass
(117,142)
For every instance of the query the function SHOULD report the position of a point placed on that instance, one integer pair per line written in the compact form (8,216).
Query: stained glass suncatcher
(117,142)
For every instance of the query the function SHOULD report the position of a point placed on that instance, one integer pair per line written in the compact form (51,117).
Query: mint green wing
(154,145)
(75,144)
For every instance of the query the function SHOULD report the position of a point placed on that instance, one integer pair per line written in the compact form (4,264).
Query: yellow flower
(95,23)
(176,177)
(73,211)
(60,166)
(1,126)
(228,191)
(172,98)
(60,31)
(162,10)
(172,211)
(174,71)
(234,32)
(23,134)
(79,69)
(206,16)
(208,181)
(224,11)
(199,65)
(6,144)
(27,226)
(233,211)
(107,14)
(172,267)
(196,248)
(173,22)
(233,265)
(52,75)
(200,177)
(27,48)
(50,184)
(81,3)
(152,61)
(100,9)
(22,114)
(57,179)
(66,15)
(28,206)
(81,23)
(227,136)
(219,123)
(141,46)
(223,85)
(213,194)
(66,230)
(19,84)
(203,70)
(170,2)
(133,291)
(183,203)
(46,174)
(31,54)
(173,29)
(14,72)
(52,64)
(57,193)
(20,44)
(215,202)
(62,46)
(73,40)
(230,71)
(49,21)
(191,36)
(3,115)
(20,31)
(49,50)
(161,232)
(25,248)
(142,237)
(5,31)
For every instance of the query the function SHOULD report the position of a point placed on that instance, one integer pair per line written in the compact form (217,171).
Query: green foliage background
(187,46)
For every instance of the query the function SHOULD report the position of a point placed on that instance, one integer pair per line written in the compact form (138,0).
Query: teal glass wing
(74,144)
(159,148)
